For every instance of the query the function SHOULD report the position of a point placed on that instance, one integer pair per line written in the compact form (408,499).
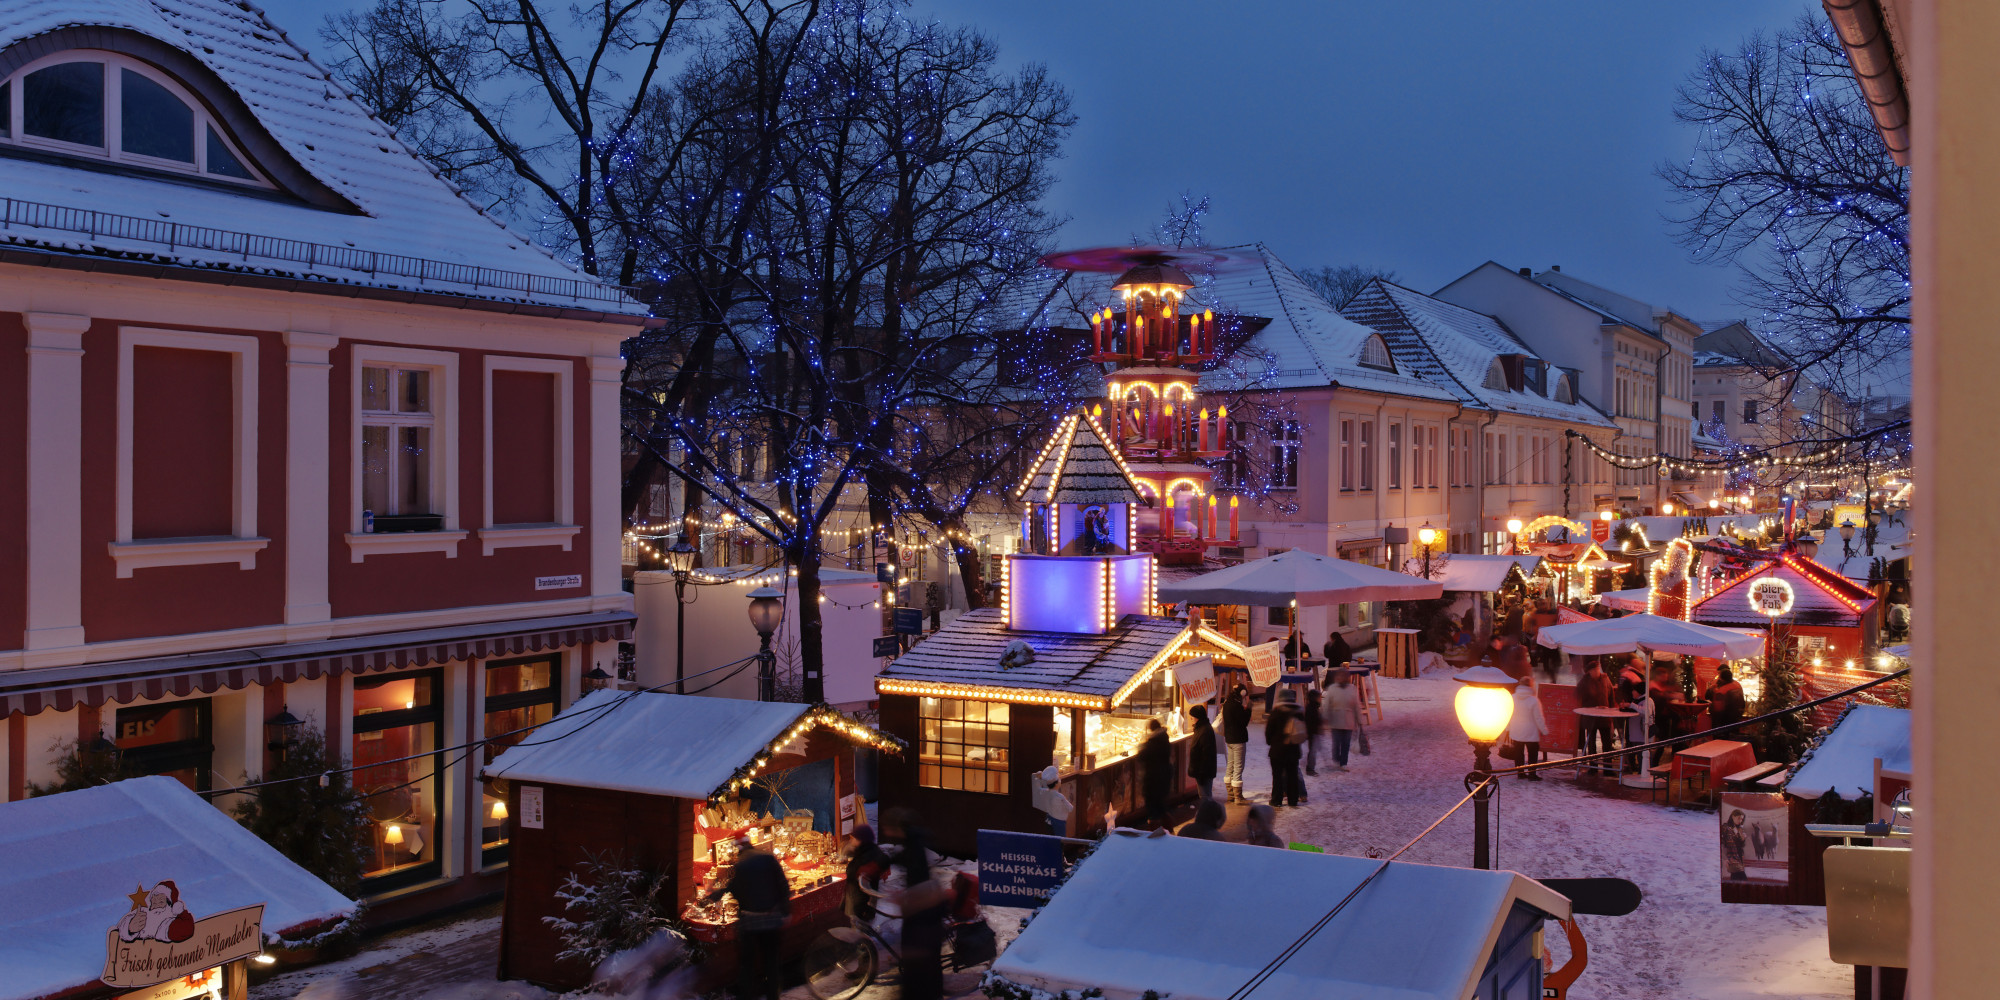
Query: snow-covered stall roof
(966,653)
(1124,923)
(654,743)
(1844,760)
(1078,466)
(1472,572)
(1625,600)
(1820,596)
(413,230)
(74,858)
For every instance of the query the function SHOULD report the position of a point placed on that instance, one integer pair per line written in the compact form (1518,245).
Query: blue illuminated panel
(1057,593)
(1131,578)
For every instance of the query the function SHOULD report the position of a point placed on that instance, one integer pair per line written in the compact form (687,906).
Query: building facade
(297,434)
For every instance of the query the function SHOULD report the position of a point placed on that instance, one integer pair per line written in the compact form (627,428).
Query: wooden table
(1609,766)
(1712,760)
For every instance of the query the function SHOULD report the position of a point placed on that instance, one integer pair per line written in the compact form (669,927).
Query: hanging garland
(821,714)
(1827,455)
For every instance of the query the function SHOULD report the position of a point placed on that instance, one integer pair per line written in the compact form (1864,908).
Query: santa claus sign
(160,939)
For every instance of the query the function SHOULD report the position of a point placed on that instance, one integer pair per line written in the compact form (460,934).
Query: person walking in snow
(1235,738)
(1528,726)
(763,902)
(1341,708)
(1262,827)
(1285,737)
(1201,753)
(1594,691)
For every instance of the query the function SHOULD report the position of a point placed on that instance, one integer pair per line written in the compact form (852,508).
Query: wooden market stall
(140,888)
(1767,855)
(666,783)
(1833,623)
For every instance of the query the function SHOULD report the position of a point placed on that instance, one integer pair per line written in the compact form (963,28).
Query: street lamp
(1514,529)
(1874,518)
(1847,538)
(767,609)
(1484,706)
(1427,536)
(680,559)
(1604,516)
(284,728)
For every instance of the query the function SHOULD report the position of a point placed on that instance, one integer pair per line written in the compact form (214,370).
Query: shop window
(174,739)
(520,695)
(396,761)
(964,744)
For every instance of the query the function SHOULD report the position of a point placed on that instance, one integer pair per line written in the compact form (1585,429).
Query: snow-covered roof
(1306,344)
(1474,573)
(1618,308)
(1844,760)
(966,653)
(1125,923)
(74,858)
(1077,465)
(1820,596)
(648,742)
(412,232)
(1455,347)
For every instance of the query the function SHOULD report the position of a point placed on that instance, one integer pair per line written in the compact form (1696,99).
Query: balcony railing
(251,247)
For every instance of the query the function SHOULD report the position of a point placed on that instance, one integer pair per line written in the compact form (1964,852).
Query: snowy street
(1682,942)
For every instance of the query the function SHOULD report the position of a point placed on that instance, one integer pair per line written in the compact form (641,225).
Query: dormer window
(1496,376)
(111,107)
(1564,393)
(1375,354)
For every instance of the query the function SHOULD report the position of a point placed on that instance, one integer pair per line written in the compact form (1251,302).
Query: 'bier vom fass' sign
(160,939)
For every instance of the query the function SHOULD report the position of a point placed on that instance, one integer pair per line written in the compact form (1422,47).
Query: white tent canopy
(1313,580)
(1471,573)
(1126,923)
(1653,632)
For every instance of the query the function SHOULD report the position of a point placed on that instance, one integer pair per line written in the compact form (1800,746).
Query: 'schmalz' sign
(1266,663)
(159,939)
(1018,869)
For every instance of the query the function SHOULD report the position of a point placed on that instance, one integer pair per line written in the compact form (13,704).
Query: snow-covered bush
(611,906)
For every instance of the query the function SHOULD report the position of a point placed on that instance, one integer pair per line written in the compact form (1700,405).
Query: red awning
(60,688)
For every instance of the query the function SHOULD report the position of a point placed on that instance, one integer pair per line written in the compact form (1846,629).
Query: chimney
(1556,268)
(1527,272)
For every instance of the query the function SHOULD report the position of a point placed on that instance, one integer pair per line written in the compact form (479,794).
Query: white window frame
(1287,442)
(444,452)
(242,546)
(114,93)
(564,529)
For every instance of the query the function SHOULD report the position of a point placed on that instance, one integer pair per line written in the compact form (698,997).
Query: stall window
(964,745)
(520,695)
(397,717)
(172,739)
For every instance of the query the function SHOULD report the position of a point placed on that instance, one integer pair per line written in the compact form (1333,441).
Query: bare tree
(1791,182)
(1338,284)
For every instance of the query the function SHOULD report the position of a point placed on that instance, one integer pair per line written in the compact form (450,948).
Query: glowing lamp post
(1484,706)
(1427,536)
(680,559)
(1847,538)
(767,609)
(1514,530)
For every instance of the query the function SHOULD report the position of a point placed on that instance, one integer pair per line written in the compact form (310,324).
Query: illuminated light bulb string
(1823,454)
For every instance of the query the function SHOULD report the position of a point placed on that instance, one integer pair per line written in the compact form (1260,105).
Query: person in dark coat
(924,906)
(1235,738)
(1201,753)
(1285,737)
(763,902)
(1336,649)
(1209,816)
(1156,772)
(1313,728)
(1593,690)
(1509,655)
(1726,704)
(865,861)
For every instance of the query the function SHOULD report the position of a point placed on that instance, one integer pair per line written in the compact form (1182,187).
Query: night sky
(1423,136)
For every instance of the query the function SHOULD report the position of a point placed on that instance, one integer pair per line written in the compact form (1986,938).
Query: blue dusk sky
(1424,136)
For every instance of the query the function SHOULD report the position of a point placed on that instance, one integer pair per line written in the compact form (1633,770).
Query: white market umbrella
(1625,600)
(1312,580)
(1652,632)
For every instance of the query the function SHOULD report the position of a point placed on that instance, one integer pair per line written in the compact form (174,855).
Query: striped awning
(62,688)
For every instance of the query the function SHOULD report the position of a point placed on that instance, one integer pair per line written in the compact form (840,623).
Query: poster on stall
(1196,678)
(1756,848)
(160,939)
(1266,662)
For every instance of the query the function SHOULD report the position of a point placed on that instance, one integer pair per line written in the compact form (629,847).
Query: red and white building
(285,424)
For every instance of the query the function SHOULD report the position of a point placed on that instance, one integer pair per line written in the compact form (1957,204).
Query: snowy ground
(1682,942)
